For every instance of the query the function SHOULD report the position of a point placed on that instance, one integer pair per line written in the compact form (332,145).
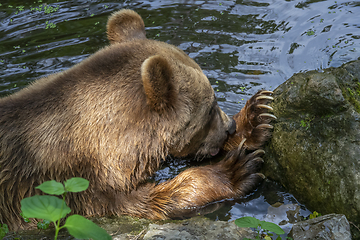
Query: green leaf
(52,187)
(247,222)
(272,227)
(26,219)
(44,224)
(76,184)
(44,207)
(82,228)
(3,230)
(315,214)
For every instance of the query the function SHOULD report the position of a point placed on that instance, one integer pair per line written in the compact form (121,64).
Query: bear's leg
(252,122)
(236,175)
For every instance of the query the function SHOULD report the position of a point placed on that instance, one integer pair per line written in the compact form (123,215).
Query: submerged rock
(315,149)
(331,226)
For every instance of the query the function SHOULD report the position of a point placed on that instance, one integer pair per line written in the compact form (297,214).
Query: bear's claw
(265,106)
(264,97)
(266,92)
(241,144)
(268,115)
(261,175)
(257,152)
(265,125)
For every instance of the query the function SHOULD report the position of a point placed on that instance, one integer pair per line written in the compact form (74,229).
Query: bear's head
(172,95)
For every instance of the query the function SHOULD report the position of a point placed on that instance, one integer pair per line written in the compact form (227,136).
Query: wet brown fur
(111,119)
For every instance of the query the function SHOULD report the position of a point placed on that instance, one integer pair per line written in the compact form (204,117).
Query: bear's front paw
(252,122)
(243,169)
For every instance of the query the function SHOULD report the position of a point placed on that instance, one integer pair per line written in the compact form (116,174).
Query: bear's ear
(125,25)
(157,76)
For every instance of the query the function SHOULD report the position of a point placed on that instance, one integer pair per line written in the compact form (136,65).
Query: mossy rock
(315,149)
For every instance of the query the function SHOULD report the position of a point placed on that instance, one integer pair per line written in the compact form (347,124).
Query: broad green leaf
(82,228)
(52,187)
(247,222)
(272,227)
(76,184)
(44,207)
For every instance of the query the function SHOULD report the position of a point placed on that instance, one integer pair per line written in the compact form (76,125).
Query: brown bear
(112,119)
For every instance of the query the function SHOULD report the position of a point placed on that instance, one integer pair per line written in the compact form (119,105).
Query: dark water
(242,46)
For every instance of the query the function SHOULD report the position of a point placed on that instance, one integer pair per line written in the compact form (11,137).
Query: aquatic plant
(306,123)
(315,214)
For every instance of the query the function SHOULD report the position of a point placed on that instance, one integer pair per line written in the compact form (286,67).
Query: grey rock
(198,229)
(315,148)
(331,226)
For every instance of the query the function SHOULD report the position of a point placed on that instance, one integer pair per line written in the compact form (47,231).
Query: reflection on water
(241,45)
